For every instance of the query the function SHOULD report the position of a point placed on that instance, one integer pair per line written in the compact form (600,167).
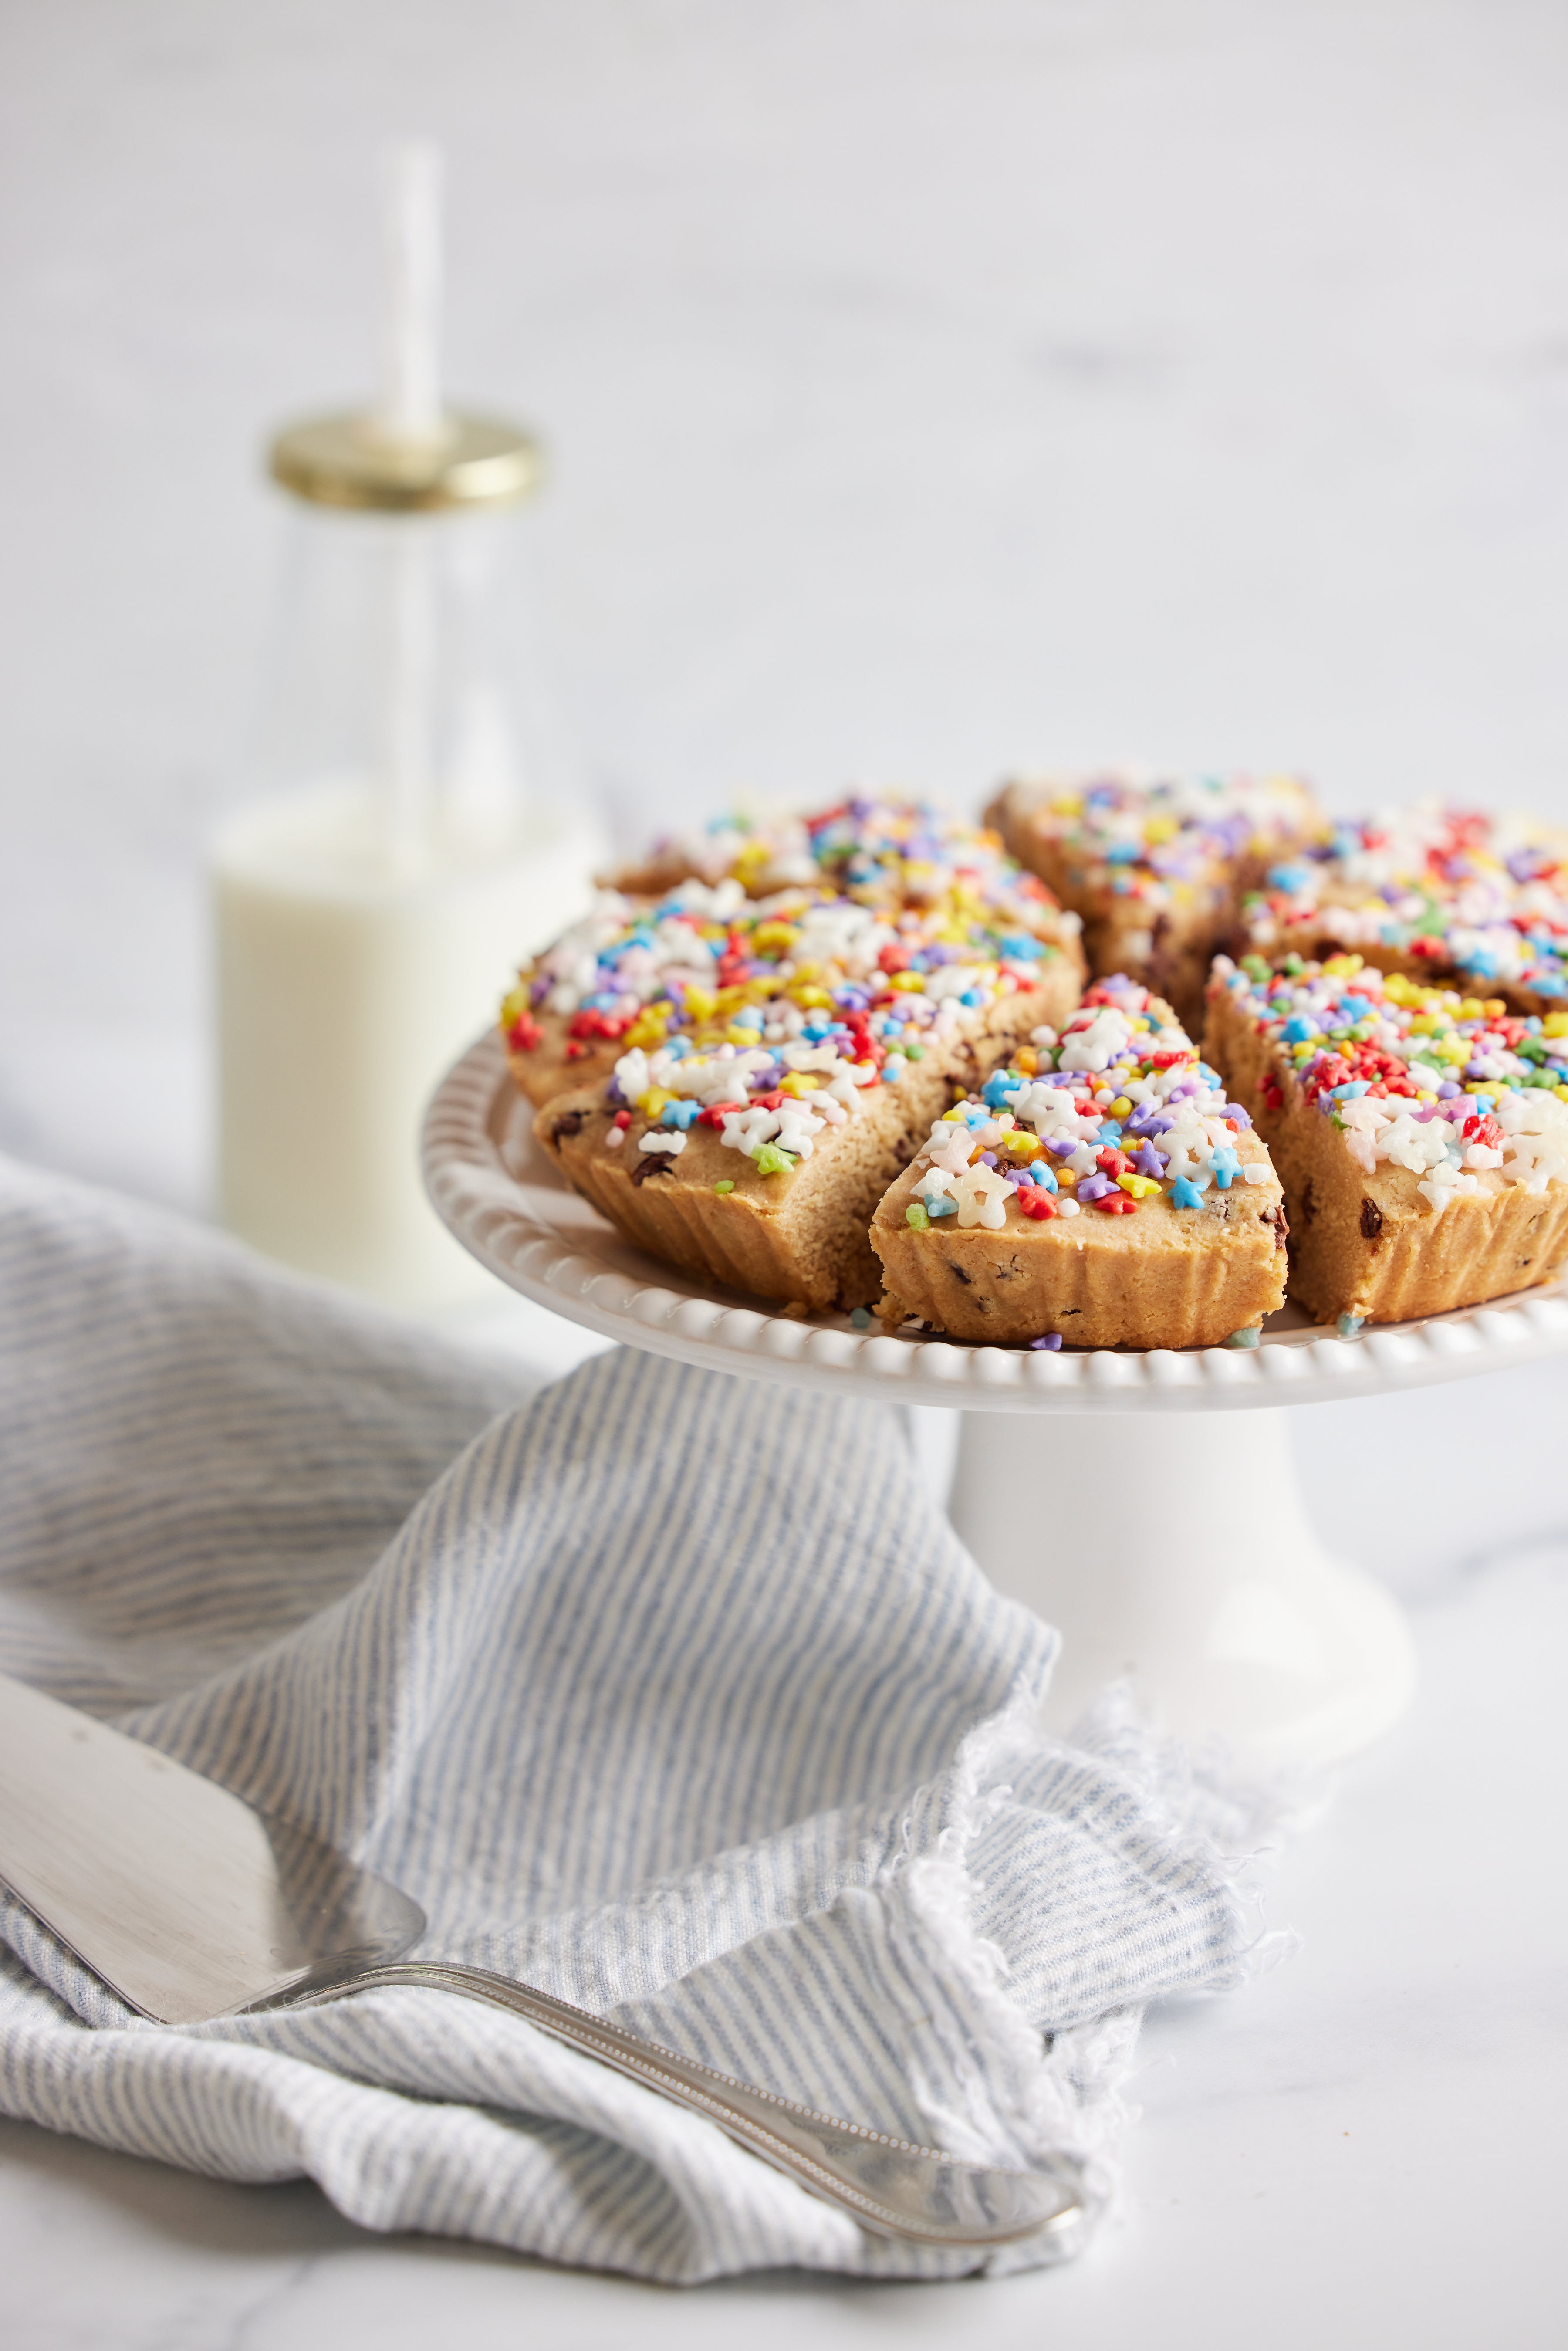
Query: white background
(931,386)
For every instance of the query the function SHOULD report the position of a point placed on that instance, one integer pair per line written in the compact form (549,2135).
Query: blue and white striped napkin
(669,1691)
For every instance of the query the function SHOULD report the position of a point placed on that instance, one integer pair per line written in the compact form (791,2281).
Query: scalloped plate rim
(502,1216)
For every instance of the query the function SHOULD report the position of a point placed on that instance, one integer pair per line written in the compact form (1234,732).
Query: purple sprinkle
(987,1159)
(1148,1161)
(1094,1188)
(1235,1110)
(1052,1341)
(1448,1090)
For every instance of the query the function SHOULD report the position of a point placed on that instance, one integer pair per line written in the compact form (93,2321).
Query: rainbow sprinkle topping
(1467,895)
(1118,1111)
(885,854)
(711,969)
(1466,1095)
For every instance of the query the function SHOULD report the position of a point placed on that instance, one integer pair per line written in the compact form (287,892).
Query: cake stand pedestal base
(1175,1548)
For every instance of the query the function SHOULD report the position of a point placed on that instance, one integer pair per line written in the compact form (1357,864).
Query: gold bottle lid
(352,460)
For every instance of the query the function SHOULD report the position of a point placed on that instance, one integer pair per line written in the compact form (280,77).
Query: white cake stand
(1146,1504)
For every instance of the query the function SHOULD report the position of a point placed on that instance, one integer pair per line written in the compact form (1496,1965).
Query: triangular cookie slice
(859,892)
(750,1142)
(1155,866)
(1463,898)
(1100,1191)
(1421,1135)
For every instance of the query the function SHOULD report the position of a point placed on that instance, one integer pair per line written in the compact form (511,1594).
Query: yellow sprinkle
(951,1116)
(796,1083)
(909,982)
(653,1102)
(1139,1186)
(810,999)
(1027,1061)
(701,1003)
(1494,1007)
(1120,1106)
(1555,1025)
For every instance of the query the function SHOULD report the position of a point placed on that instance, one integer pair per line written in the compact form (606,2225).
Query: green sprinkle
(1243,1337)
(771,1161)
(860,1318)
(1255,967)
(915,1214)
(727,1186)
(914,1052)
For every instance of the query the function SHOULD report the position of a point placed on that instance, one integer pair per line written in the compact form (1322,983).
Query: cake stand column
(1174,1546)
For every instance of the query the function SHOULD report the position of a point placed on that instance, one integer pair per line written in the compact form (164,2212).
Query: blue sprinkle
(1226,1167)
(1244,1338)
(1350,1325)
(937,1204)
(680,1114)
(1186,1194)
(860,1318)
(1300,1030)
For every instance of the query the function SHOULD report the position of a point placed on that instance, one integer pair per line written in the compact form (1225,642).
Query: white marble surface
(934,384)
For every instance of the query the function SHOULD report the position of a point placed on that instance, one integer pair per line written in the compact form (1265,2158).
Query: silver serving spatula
(190,1905)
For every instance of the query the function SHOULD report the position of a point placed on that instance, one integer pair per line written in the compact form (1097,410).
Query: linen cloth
(668,1691)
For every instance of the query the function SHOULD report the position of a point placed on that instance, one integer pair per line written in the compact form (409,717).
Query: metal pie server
(191,1904)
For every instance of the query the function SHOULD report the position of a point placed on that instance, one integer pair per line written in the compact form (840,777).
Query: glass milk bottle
(413,833)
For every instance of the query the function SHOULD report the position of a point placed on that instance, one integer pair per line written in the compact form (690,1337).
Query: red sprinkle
(1116,1204)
